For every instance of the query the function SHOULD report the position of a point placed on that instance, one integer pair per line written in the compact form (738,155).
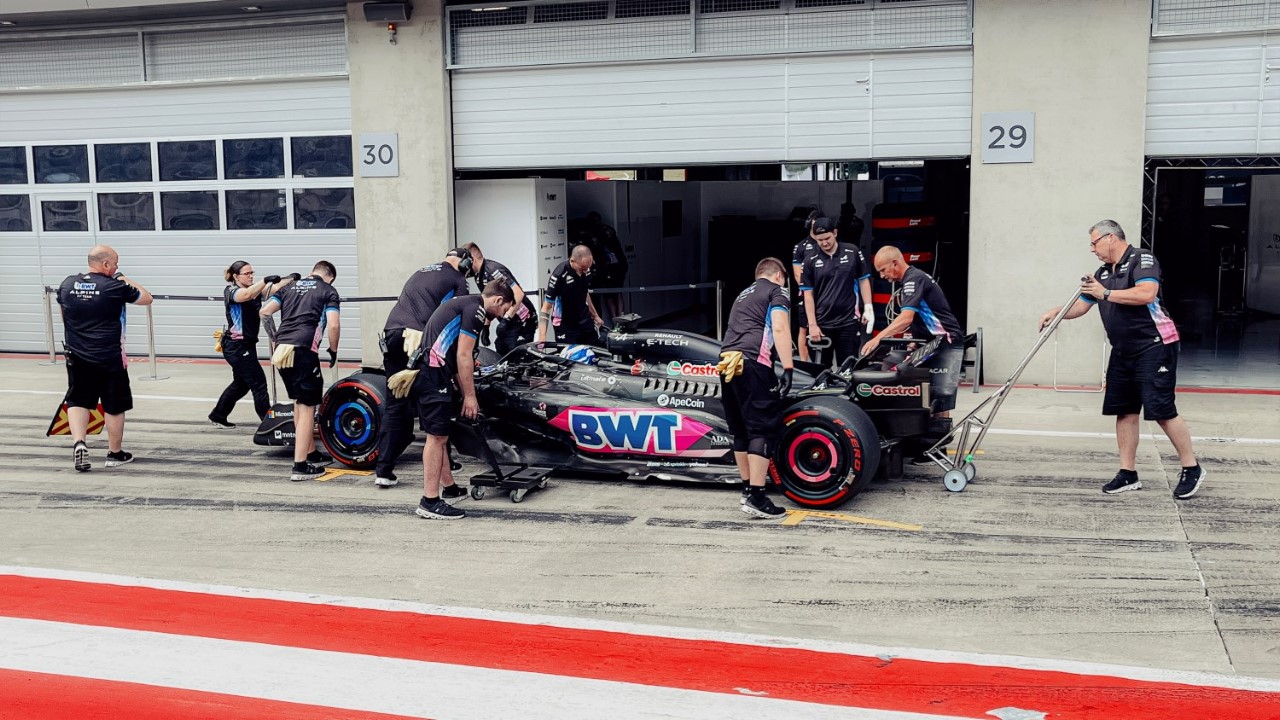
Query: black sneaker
(305,471)
(452,492)
(438,509)
(116,459)
(222,424)
(1189,481)
(318,458)
(1124,481)
(81,455)
(387,479)
(759,505)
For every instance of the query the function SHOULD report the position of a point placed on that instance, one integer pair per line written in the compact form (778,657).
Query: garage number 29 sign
(378,155)
(1008,137)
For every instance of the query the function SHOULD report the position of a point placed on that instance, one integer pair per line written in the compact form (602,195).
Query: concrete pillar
(405,222)
(1081,67)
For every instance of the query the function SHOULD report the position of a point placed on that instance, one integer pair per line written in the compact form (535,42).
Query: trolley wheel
(955,480)
(542,484)
(477,492)
(970,471)
(518,495)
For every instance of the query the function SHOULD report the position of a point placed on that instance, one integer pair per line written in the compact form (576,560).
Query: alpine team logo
(869,390)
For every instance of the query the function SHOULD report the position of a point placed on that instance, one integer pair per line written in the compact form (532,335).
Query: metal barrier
(1101,387)
(49,292)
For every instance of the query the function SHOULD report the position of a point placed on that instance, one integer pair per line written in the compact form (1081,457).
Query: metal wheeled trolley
(969,431)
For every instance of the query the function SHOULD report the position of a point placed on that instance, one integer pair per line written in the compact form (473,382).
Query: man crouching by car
(759,328)
(449,343)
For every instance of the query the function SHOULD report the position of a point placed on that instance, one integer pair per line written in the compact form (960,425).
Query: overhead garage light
(490,9)
(251,8)
(8,23)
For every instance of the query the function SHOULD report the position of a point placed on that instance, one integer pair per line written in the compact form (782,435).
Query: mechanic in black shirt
(449,367)
(925,310)
(758,329)
(803,250)
(837,291)
(1143,369)
(520,325)
(423,293)
(309,309)
(567,305)
(93,321)
(242,301)
(610,269)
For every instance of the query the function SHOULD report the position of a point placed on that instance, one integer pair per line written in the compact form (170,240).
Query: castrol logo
(869,390)
(676,368)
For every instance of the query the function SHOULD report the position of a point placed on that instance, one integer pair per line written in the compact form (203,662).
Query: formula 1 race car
(648,407)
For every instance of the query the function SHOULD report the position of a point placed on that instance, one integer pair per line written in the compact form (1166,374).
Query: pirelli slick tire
(828,452)
(350,416)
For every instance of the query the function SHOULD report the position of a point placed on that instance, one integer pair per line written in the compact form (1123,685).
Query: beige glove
(412,339)
(400,383)
(730,365)
(283,356)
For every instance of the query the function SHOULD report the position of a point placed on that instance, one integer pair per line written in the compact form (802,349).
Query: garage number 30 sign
(379,155)
(1008,137)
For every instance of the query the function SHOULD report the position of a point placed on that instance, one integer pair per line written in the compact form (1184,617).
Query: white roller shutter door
(170,262)
(763,109)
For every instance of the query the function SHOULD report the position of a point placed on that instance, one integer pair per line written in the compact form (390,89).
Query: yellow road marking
(952,451)
(795,517)
(331,473)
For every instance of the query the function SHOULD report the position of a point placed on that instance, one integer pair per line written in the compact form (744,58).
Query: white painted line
(1148,434)
(370,683)
(941,656)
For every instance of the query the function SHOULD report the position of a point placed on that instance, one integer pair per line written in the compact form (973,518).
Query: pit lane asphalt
(1030,560)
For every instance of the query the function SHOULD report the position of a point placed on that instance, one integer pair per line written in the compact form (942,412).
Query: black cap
(824,225)
(458,253)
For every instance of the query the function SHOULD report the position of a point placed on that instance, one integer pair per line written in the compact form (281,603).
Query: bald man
(93,322)
(567,306)
(925,310)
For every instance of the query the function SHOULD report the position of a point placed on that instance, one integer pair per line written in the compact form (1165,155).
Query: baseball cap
(458,253)
(823,225)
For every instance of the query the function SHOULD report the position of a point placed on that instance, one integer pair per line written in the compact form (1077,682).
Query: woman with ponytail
(243,298)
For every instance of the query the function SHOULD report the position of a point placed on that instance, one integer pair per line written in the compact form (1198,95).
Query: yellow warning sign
(60,425)
(795,517)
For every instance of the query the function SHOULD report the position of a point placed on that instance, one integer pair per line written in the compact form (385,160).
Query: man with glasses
(93,321)
(1142,370)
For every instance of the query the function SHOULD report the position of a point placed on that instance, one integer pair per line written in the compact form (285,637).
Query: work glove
(868,316)
(730,365)
(271,279)
(295,277)
(283,356)
(484,335)
(401,383)
(784,383)
(412,340)
(333,357)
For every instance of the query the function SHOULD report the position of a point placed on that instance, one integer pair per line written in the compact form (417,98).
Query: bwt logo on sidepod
(868,390)
(649,431)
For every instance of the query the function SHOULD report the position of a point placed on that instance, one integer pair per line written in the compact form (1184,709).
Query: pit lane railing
(51,340)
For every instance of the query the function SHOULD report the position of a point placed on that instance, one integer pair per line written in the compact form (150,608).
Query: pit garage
(704,132)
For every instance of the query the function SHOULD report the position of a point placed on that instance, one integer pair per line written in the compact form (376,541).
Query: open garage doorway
(703,224)
(1214,224)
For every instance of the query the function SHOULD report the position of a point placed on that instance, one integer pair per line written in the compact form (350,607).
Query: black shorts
(1144,382)
(750,404)
(436,410)
(802,317)
(303,381)
(944,376)
(88,383)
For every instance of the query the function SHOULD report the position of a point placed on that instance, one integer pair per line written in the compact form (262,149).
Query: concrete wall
(1081,66)
(405,222)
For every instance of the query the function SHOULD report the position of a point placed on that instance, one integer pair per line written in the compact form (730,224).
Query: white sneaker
(386,482)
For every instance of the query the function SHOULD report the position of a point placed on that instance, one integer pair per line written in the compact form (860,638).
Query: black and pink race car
(649,407)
